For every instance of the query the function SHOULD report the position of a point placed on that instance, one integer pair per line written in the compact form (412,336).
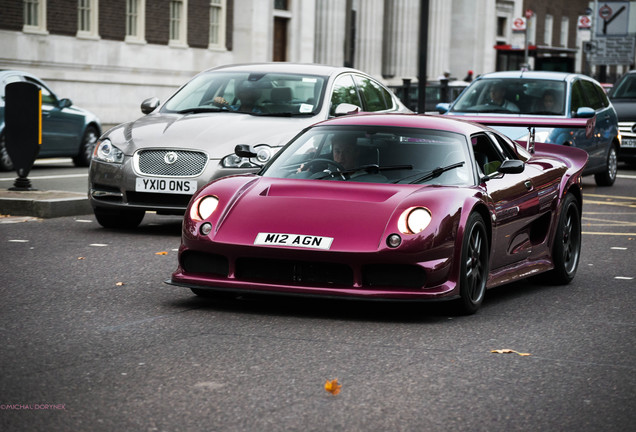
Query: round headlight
(263,153)
(414,220)
(203,207)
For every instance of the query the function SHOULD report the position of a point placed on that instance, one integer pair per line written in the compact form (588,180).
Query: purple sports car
(400,207)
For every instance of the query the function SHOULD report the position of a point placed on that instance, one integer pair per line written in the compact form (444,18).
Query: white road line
(48,177)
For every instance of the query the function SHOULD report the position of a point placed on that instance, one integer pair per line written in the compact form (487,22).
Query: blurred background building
(109,55)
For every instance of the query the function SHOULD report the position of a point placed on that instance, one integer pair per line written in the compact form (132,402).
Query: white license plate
(293,240)
(160,185)
(630,142)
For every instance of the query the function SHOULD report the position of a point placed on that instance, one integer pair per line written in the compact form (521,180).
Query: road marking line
(49,177)
(623,277)
(605,233)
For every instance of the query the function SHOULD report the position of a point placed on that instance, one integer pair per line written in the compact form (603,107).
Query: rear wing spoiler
(531,123)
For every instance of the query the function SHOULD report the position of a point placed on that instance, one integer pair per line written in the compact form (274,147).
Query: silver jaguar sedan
(158,161)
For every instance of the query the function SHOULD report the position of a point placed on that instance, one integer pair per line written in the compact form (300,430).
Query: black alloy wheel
(474,265)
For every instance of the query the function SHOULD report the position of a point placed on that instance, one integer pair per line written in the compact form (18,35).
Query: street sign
(519,24)
(529,13)
(612,18)
(584,22)
(611,50)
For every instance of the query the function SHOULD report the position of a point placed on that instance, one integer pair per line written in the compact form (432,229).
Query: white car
(158,161)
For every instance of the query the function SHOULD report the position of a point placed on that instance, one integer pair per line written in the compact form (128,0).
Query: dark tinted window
(593,95)
(344,91)
(372,94)
(578,97)
(626,88)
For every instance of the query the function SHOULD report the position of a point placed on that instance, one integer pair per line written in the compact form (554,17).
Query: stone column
(401,33)
(330,32)
(369,35)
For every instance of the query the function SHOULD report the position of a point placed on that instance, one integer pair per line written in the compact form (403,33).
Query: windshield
(513,96)
(250,93)
(626,89)
(375,154)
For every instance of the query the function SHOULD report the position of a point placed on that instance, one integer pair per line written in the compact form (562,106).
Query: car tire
(608,177)
(566,250)
(83,158)
(119,219)
(6,164)
(474,265)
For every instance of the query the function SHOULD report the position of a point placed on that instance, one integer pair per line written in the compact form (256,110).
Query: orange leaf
(509,351)
(161,253)
(332,386)
(80,258)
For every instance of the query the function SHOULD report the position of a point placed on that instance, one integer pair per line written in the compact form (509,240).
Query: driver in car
(497,97)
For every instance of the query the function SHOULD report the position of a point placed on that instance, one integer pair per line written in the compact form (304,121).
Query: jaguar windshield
(249,93)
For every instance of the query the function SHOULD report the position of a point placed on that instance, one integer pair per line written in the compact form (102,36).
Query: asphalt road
(93,340)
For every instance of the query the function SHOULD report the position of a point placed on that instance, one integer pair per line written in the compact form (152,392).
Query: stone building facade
(109,55)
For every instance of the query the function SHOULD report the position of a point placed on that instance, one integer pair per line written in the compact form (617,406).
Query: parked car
(423,208)
(623,97)
(553,94)
(436,92)
(158,161)
(67,130)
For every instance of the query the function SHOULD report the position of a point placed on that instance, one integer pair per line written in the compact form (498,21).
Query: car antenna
(530,144)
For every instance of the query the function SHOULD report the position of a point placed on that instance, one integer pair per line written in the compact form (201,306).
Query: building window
(87,19)
(34,16)
(135,20)
(547,34)
(565,29)
(282,17)
(217,23)
(501,26)
(281,4)
(178,22)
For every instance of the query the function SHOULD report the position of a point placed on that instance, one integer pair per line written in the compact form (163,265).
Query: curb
(43,204)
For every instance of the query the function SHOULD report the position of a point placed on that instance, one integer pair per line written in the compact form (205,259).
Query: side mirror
(149,105)
(347,108)
(442,107)
(64,103)
(585,112)
(511,166)
(244,151)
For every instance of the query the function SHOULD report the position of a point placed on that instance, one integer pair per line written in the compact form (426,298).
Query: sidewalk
(43,204)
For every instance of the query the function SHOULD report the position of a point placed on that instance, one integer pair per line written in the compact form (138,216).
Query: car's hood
(215,133)
(625,109)
(355,215)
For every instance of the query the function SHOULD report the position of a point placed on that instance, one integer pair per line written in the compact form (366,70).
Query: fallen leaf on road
(161,253)
(80,258)
(509,351)
(332,386)
(119,284)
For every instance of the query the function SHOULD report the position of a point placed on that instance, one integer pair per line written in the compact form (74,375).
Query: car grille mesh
(186,163)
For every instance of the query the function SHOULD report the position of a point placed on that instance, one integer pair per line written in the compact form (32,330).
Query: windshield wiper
(370,168)
(434,173)
(196,110)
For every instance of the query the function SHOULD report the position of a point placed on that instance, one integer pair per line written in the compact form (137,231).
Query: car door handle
(45,114)
(528,185)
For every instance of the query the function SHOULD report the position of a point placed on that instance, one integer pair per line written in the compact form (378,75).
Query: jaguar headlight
(414,220)
(105,151)
(262,154)
(203,207)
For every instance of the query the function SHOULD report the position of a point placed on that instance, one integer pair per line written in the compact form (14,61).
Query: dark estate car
(67,130)
(556,95)
(623,97)
(157,162)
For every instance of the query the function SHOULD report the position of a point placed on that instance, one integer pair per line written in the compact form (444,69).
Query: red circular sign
(529,13)
(518,24)
(605,12)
